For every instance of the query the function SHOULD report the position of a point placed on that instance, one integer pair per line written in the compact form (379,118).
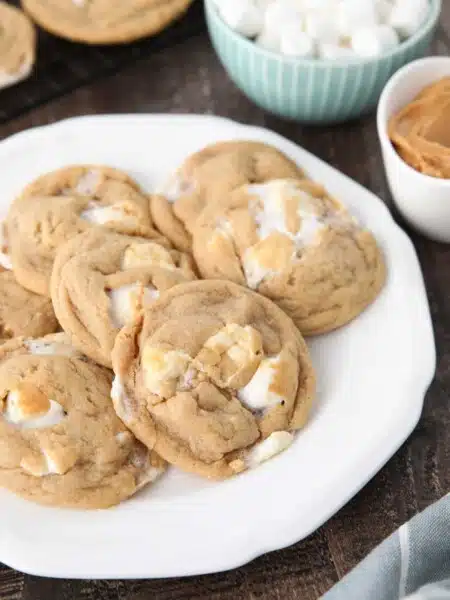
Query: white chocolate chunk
(162,367)
(257,395)
(276,442)
(254,271)
(371,42)
(243,16)
(114,213)
(39,414)
(88,183)
(127,300)
(148,254)
(241,344)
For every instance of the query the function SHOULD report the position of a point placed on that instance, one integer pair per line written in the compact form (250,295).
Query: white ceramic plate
(372,376)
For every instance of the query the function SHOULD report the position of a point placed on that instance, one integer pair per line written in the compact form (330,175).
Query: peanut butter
(420,132)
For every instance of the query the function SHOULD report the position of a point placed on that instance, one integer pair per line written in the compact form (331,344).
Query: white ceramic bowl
(423,201)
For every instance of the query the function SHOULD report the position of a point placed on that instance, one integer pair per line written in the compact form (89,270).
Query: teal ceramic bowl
(312,90)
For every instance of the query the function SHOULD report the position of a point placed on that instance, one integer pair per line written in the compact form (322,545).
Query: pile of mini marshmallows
(327,29)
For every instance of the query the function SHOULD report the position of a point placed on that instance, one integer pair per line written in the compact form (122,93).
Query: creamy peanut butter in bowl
(413,123)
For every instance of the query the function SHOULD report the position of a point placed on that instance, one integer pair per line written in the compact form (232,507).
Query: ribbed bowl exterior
(312,91)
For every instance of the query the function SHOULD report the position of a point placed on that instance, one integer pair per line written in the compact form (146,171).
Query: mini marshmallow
(407,16)
(322,27)
(44,348)
(243,16)
(374,41)
(296,43)
(353,15)
(126,300)
(257,395)
(384,10)
(269,40)
(276,442)
(282,14)
(114,213)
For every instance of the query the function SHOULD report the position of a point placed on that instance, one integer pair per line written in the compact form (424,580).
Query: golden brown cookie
(209,176)
(60,441)
(101,280)
(23,313)
(17,45)
(64,203)
(213,377)
(294,243)
(104,22)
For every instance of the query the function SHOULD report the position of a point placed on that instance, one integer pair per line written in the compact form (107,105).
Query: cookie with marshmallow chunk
(292,242)
(208,176)
(22,312)
(61,204)
(61,443)
(213,377)
(17,45)
(101,280)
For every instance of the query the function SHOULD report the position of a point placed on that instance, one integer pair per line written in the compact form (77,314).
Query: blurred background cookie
(103,22)
(294,243)
(17,45)
(214,378)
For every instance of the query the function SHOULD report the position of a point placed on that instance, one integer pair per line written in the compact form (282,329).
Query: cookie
(208,176)
(17,45)
(294,243)
(101,280)
(213,377)
(102,22)
(61,443)
(64,203)
(23,313)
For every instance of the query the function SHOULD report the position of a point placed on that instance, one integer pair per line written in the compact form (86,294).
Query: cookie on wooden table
(17,45)
(101,280)
(208,176)
(64,203)
(213,377)
(103,21)
(292,242)
(60,439)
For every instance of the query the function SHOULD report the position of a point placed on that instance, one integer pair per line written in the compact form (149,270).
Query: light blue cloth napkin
(413,563)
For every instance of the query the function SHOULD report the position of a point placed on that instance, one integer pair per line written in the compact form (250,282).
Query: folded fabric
(413,563)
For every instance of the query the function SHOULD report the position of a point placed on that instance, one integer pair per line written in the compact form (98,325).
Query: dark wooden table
(189,78)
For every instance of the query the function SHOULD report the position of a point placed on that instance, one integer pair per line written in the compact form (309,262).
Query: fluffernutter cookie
(209,176)
(61,443)
(101,280)
(292,242)
(17,45)
(23,313)
(213,377)
(64,203)
(103,21)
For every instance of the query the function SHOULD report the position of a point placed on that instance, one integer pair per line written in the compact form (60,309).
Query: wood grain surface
(189,78)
